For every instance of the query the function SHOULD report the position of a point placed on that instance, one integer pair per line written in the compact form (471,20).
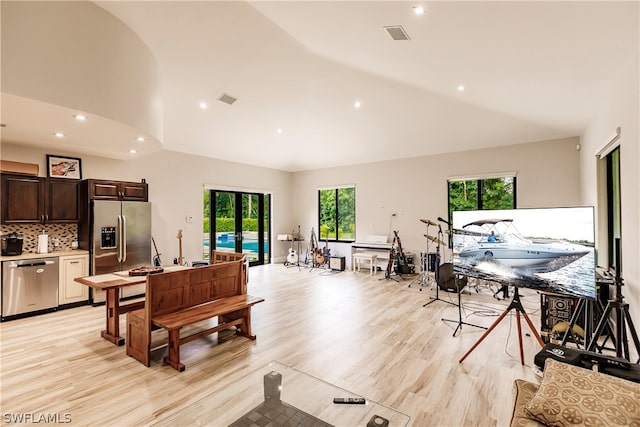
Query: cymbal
(434,239)
(428,222)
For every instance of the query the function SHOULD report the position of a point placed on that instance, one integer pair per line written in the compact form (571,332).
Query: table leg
(112,304)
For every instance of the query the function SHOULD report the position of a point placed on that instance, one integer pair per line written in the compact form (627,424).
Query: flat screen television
(548,249)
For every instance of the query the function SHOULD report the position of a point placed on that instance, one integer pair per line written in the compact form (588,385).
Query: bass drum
(447,280)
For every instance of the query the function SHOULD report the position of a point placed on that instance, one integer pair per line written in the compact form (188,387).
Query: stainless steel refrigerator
(120,240)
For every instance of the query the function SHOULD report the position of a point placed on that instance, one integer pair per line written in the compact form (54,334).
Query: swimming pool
(248,245)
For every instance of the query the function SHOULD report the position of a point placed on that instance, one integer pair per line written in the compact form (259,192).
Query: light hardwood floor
(370,336)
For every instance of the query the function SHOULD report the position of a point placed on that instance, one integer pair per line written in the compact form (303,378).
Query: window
(482,194)
(337,214)
(613,203)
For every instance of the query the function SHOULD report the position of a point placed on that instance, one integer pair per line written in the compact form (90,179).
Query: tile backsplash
(65,233)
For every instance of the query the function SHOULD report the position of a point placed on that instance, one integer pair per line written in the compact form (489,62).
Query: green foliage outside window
(482,194)
(337,214)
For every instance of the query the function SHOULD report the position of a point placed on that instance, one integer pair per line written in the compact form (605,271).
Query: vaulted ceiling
(531,71)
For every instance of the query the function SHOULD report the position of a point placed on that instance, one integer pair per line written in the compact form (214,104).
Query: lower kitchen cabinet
(70,291)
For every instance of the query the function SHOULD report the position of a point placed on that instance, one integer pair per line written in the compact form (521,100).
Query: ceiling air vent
(397,32)
(227,99)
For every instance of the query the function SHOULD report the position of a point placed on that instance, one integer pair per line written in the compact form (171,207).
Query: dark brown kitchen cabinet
(22,199)
(118,190)
(62,200)
(30,199)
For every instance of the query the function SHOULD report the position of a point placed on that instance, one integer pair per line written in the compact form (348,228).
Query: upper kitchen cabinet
(117,190)
(30,199)
(63,200)
(22,199)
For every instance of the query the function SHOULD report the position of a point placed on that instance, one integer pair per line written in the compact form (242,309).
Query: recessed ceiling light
(357,104)
(203,105)
(80,117)
(140,138)
(279,130)
(59,135)
(132,151)
(418,10)
(460,88)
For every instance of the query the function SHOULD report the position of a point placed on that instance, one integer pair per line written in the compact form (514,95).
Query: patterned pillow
(569,395)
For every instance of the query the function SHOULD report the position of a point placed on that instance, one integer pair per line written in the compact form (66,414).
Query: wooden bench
(220,256)
(178,299)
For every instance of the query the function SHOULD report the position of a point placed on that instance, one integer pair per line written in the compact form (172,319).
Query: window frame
(480,187)
(614,204)
(337,216)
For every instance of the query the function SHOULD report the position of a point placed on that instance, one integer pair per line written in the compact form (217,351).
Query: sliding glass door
(239,222)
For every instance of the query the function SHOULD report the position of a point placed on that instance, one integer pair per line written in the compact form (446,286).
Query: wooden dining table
(111,284)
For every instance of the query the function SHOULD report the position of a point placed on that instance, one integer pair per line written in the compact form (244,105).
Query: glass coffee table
(277,395)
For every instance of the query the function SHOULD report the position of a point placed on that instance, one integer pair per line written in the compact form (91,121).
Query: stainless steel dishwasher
(29,285)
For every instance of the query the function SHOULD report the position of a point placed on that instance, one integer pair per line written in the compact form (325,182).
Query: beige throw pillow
(569,396)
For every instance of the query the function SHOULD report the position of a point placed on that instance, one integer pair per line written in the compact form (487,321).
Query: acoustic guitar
(316,252)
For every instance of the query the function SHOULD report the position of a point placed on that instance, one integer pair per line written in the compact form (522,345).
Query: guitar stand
(387,276)
(297,263)
(459,321)
(517,306)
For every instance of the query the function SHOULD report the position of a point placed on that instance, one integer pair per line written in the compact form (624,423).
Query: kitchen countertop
(26,255)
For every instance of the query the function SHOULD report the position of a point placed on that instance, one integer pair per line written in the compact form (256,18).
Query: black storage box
(610,365)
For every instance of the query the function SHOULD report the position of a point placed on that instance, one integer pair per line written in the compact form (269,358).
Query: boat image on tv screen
(550,249)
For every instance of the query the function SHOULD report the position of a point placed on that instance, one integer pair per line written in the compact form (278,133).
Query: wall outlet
(189,219)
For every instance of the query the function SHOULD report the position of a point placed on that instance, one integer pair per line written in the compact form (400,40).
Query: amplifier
(337,263)
(556,309)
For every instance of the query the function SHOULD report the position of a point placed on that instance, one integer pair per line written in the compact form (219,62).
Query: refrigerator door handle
(124,238)
(119,238)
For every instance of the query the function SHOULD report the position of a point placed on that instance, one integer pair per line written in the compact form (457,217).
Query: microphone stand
(437,273)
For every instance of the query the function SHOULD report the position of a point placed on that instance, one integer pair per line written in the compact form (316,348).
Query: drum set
(432,270)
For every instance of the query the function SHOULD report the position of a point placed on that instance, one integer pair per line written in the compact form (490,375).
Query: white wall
(117,77)
(547,175)
(622,109)
(176,183)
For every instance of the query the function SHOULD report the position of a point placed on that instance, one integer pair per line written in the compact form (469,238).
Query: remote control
(350,400)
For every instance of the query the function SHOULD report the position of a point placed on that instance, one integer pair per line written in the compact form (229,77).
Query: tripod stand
(459,321)
(515,305)
(622,316)
(590,309)
(437,273)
